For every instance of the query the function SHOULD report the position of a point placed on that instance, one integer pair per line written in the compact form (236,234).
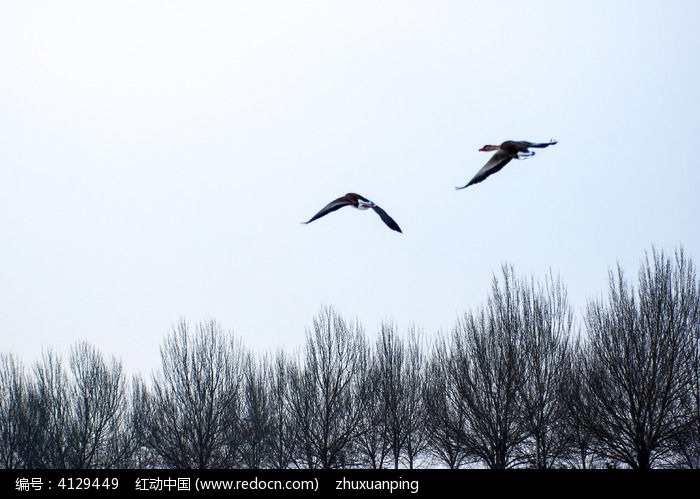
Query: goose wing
(387,219)
(541,144)
(336,204)
(496,163)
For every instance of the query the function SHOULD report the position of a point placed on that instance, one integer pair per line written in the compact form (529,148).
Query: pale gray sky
(156,158)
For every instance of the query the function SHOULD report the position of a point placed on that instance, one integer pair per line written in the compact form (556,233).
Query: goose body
(359,202)
(508,150)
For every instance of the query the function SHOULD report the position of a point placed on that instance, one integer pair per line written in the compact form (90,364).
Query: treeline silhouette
(515,383)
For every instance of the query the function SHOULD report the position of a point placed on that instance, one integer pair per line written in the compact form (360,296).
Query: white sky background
(156,159)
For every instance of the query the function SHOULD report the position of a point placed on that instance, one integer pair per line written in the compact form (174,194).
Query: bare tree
(510,386)
(399,388)
(488,370)
(75,421)
(640,358)
(256,420)
(284,428)
(547,322)
(13,395)
(142,415)
(578,409)
(444,409)
(414,379)
(190,418)
(687,443)
(372,445)
(324,391)
(95,411)
(46,416)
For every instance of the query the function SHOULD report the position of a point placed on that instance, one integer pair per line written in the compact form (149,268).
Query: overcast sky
(156,158)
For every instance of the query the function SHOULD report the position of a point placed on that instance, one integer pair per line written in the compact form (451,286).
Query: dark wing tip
(329,208)
(390,222)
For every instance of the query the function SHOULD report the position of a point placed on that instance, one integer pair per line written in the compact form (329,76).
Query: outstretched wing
(332,206)
(387,219)
(542,144)
(496,163)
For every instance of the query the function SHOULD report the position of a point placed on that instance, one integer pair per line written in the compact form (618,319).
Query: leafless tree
(372,445)
(512,385)
(44,421)
(445,409)
(141,415)
(687,443)
(415,440)
(488,371)
(190,417)
(398,387)
(13,395)
(69,421)
(324,391)
(96,409)
(392,389)
(578,409)
(284,428)
(547,326)
(640,360)
(256,420)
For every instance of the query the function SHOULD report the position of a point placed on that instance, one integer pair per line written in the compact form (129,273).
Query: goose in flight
(510,149)
(359,202)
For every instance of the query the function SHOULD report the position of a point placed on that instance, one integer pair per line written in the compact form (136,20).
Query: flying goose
(510,149)
(359,202)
